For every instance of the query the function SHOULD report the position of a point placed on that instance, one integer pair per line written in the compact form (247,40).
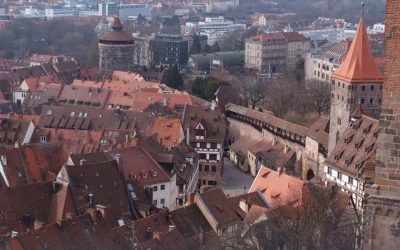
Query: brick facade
(381,228)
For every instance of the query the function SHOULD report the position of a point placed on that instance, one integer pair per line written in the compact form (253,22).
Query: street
(235,181)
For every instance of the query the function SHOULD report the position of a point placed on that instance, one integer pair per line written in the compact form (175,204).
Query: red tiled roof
(89,231)
(294,37)
(139,166)
(278,189)
(32,163)
(356,147)
(105,183)
(359,65)
(168,132)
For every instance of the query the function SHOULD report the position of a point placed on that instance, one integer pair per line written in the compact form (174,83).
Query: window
(370,101)
(339,175)
(155,202)
(363,88)
(372,87)
(162,201)
(329,170)
(43,138)
(339,121)
(214,168)
(351,180)
(213,157)
(202,156)
(162,187)
(155,189)
(206,168)
(362,100)
(201,168)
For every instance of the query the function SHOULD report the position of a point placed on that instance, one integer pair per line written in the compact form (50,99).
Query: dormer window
(144,175)
(359,144)
(349,139)
(367,129)
(43,138)
(338,156)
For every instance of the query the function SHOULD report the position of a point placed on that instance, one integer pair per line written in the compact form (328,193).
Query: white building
(213,27)
(60,12)
(108,9)
(221,5)
(134,10)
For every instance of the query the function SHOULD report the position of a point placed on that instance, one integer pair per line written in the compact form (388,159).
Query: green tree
(206,87)
(172,78)
(198,87)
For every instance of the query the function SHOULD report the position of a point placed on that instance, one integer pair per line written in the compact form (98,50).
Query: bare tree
(254,90)
(314,217)
(319,96)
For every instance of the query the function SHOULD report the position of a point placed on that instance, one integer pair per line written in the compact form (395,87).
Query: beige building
(275,52)
(321,62)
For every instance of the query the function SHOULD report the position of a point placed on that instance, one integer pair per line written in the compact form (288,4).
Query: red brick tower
(381,223)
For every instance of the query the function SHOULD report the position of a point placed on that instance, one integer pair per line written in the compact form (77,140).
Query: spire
(117,25)
(358,65)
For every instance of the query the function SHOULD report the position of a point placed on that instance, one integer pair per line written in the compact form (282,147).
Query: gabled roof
(89,231)
(359,65)
(139,166)
(356,147)
(104,182)
(31,163)
(278,188)
(23,205)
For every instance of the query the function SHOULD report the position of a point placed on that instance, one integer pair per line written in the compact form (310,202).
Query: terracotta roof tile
(31,163)
(278,189)
(139,166)
(104,182)
(356,147)
(359,65)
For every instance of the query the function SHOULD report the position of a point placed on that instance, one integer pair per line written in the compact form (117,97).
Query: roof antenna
(362,9)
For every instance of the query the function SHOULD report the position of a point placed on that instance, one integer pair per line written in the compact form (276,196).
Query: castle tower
(116,49)
(381,223)
(357,81)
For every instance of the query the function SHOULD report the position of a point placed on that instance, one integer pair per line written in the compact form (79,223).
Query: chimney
(4,160)
(91,196)
(149,234)
(213,105)
(126,138)
(187,136)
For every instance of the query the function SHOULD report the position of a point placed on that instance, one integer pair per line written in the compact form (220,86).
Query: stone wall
(116,57)
(381,227)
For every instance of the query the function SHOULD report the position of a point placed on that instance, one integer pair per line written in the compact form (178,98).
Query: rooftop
(359,65)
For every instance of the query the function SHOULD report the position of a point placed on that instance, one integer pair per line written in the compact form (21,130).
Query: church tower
(381,223)
(357,81)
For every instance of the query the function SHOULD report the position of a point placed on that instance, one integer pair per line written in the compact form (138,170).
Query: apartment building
(275,52)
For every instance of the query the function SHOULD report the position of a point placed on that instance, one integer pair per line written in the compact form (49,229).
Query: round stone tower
(116,49)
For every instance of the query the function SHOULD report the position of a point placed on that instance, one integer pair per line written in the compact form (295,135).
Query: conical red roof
(359,65)
(116,25)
